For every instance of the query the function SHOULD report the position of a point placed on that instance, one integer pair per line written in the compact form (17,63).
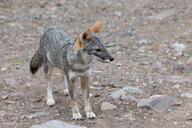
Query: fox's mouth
(102,60)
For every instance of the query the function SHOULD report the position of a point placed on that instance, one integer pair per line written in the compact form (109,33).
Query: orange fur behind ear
(80,44)
(97,27)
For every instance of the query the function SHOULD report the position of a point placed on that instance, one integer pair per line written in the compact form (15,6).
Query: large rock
(107,106)
(56,124)
(158,103)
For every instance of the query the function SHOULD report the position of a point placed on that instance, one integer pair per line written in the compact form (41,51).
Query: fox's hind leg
(48,72)
(85,91)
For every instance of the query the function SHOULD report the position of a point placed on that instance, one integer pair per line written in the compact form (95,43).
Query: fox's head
(91,42)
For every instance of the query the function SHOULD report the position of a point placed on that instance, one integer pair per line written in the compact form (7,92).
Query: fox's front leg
(85,91)
(75,109)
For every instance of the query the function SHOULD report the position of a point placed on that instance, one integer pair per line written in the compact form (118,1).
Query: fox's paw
(90,115)
(77,116)
(66,92)
(50,102)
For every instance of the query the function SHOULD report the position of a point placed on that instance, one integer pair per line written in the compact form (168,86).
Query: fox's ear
(97,27)
(87,35)
(83,38)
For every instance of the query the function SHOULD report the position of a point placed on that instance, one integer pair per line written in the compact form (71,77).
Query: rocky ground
(149,39)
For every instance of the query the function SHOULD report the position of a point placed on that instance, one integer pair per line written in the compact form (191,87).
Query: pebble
(179,49)
(126,32)
(56,124)
(162,15)
(176,86)
(129,116)
(2,113)
(5,97)
(107,106)
(36,115)
(188,95)
(110,44)
(157,66)
(3,69)
(119,64)
(132,90)
(128,99)
(118,14)
(143,42)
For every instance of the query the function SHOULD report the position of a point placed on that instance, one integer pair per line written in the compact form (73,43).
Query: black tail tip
(33,70)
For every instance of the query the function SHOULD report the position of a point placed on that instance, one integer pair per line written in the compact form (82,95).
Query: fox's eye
(98,50)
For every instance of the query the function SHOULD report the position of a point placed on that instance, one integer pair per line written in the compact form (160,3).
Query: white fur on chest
(73,74)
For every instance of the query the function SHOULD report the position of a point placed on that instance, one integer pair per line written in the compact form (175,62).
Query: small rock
(125,33)
(129,116)
(144,63)
(179,49)
(91,95)
(157,66)
(181,68)
(56,124)
(162,15)
(96,71)
(129,99)
(143,42)
(119,64)
(96,86)
(158,103)
(117,94)
(125,90)
(10,81)
(3,68)
(177,79)
(188,95)
(110,44)
(2,113)
(176,86)
(132,90)
(107,106)
(36,115)
(118,14)
(5,97)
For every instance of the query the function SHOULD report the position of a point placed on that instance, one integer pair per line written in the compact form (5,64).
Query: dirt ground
(143,31)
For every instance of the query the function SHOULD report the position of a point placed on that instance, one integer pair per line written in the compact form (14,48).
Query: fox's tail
(36,62)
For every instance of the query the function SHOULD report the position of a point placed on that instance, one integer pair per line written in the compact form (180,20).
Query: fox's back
(54,37)
(53,44)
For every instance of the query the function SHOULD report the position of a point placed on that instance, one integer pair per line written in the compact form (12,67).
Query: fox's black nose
(111,59)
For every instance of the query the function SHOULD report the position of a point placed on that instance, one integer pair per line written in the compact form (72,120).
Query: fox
(74,58)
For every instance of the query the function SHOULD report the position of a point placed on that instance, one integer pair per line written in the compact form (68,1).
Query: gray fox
(74,58)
